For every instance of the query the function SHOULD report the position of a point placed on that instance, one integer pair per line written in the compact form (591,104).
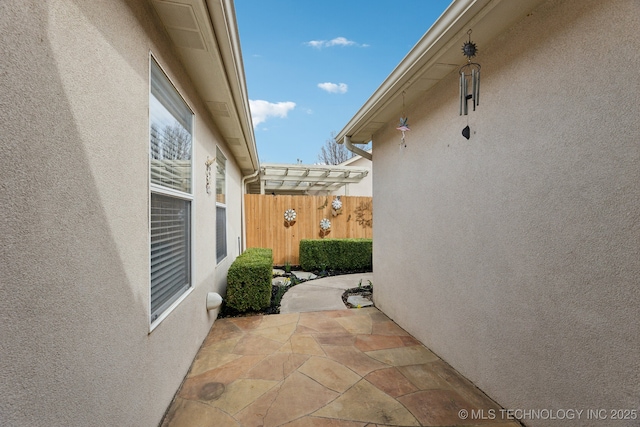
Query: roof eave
(205,37)
(435,55)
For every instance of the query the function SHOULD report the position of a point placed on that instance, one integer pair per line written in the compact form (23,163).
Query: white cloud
(316,43)
(262,110)
(334,87)
(341,41)
(338,41)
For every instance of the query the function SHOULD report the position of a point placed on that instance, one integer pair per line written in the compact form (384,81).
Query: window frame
(220,157)
(158,189)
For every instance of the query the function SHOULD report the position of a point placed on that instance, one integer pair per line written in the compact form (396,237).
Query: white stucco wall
(515,255)
(74,243)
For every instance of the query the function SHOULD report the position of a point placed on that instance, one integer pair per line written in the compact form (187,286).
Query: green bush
(249,280)
(336,254)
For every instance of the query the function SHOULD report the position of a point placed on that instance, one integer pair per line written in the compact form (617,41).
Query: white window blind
(221,233)
(170,251)
(221,178)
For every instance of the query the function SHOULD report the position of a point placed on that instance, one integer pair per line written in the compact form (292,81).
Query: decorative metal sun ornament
(403,126)
(469,79)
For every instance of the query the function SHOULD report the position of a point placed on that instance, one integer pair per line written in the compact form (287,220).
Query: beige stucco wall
(74,242)
(515,255)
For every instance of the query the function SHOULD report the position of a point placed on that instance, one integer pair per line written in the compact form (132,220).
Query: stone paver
(350,368)
(304,275)
(359,301)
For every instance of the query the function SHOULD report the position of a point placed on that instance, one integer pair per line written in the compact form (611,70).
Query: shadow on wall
(74,309)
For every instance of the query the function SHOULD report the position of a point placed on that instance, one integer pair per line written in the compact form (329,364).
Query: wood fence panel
(266,227)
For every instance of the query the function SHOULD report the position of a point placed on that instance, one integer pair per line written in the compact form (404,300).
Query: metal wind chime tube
(469,76)
(462,85)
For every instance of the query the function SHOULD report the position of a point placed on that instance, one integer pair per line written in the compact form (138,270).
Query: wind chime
(469,78)
(403,126)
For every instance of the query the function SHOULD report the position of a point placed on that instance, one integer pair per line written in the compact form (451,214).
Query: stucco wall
(515,255)
(74,243)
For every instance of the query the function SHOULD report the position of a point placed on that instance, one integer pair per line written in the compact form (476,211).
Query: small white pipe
(356,150)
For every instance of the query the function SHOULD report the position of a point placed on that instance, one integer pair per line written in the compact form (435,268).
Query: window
(221,206)
(170,168)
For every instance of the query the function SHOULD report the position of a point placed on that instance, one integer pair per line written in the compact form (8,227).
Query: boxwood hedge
(249,280)
(336,254)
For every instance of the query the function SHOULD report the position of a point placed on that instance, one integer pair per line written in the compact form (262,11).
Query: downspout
(356,150)
(245,179)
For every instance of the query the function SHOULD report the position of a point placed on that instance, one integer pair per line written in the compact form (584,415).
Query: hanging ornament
(469,79)
(403,126)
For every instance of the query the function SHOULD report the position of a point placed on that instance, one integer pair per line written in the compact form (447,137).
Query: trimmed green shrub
(336,254)
(249,280)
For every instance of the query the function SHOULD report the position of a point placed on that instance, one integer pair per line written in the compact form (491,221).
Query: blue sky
(311,64)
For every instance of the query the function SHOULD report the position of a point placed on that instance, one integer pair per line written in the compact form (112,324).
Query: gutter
(245,180)
(356,150)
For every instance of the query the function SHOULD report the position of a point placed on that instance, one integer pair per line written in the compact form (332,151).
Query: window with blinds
(221,206)
(221,233)
(170,169)
(170,251)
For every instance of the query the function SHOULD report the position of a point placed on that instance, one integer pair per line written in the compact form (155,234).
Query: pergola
(304,179)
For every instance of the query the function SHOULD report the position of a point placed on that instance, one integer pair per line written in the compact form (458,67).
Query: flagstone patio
(330,368)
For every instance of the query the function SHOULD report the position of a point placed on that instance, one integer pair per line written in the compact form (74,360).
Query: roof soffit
(205,37)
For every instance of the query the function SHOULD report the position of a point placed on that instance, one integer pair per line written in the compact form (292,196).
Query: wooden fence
(267,228)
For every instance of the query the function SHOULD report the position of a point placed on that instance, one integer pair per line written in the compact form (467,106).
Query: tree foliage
(173,142)
(333,153)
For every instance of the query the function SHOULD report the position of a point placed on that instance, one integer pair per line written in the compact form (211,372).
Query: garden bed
(278,292)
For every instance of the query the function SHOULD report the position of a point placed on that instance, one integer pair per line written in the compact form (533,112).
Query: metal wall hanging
(336,206)
(325,227)
(469,79)
(207,172)
(403,126)
(289,217)
(325,224)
